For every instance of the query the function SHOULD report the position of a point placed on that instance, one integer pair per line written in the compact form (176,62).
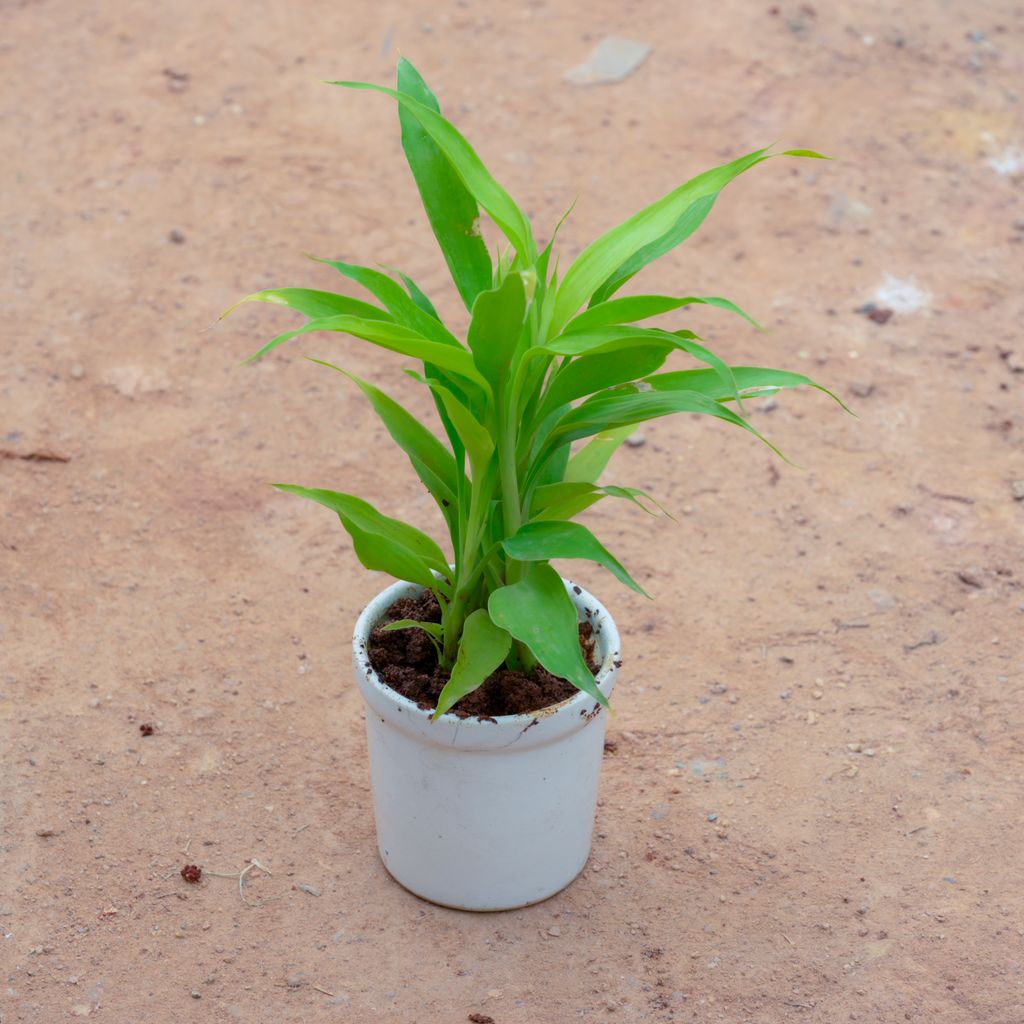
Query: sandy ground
(813,807)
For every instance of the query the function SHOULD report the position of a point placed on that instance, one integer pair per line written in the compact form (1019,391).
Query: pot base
(482,910)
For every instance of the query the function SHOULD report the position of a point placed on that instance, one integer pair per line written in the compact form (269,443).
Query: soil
(812,802)
(407,661)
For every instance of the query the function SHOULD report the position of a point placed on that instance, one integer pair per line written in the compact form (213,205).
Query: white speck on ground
(901,296)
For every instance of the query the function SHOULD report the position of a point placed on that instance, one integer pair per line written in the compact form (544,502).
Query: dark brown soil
(406,660)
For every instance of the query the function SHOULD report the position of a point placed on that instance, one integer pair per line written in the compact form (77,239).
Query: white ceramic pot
(484,815)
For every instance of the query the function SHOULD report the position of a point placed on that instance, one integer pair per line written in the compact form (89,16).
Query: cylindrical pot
(484,814)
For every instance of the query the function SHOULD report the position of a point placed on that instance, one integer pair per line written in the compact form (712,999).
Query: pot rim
(531,725)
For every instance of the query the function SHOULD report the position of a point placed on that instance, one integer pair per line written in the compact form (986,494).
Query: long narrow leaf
(451,209)
(603,258)
(629,405)
(434,464)
(395,338)
(469,167)
(495,329)
(314,304)
(405,309)
(381,543)
(590,373)
(632,308)
(590,461)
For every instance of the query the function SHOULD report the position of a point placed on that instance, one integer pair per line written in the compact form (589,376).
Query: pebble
(881,599)
(769,405)
(1017,490)
(612,60)
(713,816)
(176,236)
(77,372)
(636,440)
(555,931)
(861,389)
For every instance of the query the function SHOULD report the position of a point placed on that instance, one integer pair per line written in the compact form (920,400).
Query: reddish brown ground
(813,808)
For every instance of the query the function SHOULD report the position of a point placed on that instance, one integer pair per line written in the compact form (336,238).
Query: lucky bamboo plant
(549,359)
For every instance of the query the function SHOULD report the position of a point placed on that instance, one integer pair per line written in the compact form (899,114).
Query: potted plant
(486,675)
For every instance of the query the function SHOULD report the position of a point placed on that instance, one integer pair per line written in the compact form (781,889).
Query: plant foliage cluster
(549,359)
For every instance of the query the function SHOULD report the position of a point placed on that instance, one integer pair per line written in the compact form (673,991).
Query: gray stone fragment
(612,60)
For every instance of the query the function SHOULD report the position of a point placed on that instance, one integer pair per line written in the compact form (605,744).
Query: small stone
(612,60)
(296,980)
(861,389)
(817,694)
(812,717)
(81,1010)
(1017,490)
(45,833)
(196,994)
(636,440)
(555,931)
(855,748)
(1014,362)
(176,236)
(713,816)
(869,752)
(77,372)
(95,702)
(881,599)
(769,404)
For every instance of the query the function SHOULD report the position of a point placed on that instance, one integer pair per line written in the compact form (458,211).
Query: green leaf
(450,207)
(469,167)
(538,612)
(541,541)
(495,329)
(381,543)
(475,438)
(395,338)
(567,499)
(483,648)
(630,405)
(691,219)
(639,307)
(615,339)
(405,309)
(433,629)
(590,373)
(433,463)
(590,461)
(709,383)
(418,296)
(314,304)
(658,225)
(813,154)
